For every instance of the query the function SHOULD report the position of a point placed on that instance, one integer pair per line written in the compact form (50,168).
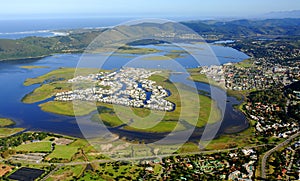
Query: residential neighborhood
(284,164)
(271,75)
(128,87)
(238,164)
(256,77)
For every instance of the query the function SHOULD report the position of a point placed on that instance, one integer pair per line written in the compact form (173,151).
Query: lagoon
(31,117)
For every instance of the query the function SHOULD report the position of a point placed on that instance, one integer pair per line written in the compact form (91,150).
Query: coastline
(26,58)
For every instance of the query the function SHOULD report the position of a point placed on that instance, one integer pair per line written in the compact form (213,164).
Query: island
(33,67)
(143,90)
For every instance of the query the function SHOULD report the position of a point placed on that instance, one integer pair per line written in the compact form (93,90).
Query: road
(138,158)
(53,171)
(58,165)
(268,153)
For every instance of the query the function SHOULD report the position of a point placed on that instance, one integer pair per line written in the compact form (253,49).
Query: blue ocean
(15,29)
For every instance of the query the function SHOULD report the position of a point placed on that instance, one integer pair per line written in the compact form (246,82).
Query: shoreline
(33,58)
(8,128)
(65,108)
(238,95)
(133,132)
(26,58)
(150,132)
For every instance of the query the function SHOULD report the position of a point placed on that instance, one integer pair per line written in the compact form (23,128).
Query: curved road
(267,154)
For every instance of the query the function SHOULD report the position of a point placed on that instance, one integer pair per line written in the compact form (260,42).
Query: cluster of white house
(127,87)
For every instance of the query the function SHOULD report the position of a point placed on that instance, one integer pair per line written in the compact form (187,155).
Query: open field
(245,63)
(4,122)
(52,83)
(189,148)
(63,152)
(241,139)
(66,108)
(58,75)
(135,50)
(67,173)
(33,67)
(167,56)
(43,146)
(5,132)
(156,58)
(66,152)
(41,93)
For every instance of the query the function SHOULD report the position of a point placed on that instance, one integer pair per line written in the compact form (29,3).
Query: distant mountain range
(32,47)
(282,14)
(247,28)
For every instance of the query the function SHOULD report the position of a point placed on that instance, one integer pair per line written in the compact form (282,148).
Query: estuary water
(31,117)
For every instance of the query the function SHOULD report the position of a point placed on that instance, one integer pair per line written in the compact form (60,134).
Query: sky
(143,8)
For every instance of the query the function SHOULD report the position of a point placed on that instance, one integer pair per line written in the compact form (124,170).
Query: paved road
(53,171)
(154,157)
(58,165)
(267,154)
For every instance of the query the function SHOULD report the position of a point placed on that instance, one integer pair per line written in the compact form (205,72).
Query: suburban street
(267,154)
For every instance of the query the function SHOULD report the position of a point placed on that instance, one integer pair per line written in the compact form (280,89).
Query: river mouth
(31,117)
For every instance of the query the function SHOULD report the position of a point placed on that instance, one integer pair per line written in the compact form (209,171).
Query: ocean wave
(38,33)
(26,32)
(55,33)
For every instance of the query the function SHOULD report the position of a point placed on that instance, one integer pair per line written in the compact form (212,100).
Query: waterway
(31,117)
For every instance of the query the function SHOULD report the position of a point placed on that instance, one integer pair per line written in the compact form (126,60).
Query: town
(128,87)
(272,80)
(258,76)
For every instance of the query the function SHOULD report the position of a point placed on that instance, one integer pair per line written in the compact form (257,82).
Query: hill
(33,47)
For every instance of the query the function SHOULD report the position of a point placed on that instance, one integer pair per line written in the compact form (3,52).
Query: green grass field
(167,56)
(67,108)
(41,93)
(67,151)
(4,122)
(67,173)
(242,139)
(188,148)
(59,75)
(156,58)
(5,132)
(43,146)
(33,67)
(245,63)
(63,152)
(134,50)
